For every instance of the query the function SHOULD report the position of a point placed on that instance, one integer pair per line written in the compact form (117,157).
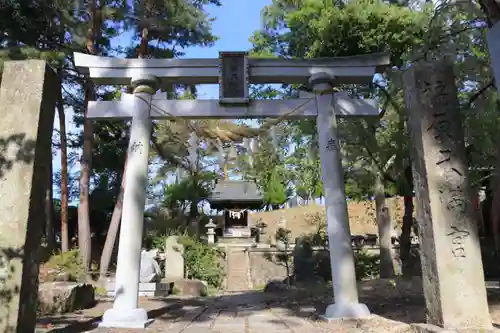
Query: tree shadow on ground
(293,305)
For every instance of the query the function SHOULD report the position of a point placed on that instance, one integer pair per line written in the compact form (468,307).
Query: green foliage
(186,25)
(202,262)
(310,29)
(274,191)
(67,263)
(283,234)
(53,31)
(195,187)
(367,266)
(307,174)
(319,238)
(288,157)
(100,291)
(175,291)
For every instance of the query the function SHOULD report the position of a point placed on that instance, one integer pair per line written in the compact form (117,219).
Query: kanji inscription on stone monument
(452,271)
(233,80)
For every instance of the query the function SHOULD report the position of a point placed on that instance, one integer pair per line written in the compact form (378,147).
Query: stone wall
(303,220)
(262,269)
(264,266)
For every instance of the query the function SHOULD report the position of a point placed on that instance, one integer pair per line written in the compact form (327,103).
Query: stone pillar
(339,236)
(210,232)
(28,97)
(125,312)
(174,259)
(452,269)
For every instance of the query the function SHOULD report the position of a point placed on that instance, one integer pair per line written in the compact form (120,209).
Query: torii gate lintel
(347,70)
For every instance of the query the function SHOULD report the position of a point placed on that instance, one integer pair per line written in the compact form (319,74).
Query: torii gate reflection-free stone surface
(233,71)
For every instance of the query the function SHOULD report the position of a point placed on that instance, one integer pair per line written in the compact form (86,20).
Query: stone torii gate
(233,71)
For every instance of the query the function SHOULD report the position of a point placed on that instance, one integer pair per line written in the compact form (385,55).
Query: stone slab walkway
(393,308)
(240,320)
(248,312)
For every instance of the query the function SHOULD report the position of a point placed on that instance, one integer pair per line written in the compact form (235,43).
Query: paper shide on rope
(236,214)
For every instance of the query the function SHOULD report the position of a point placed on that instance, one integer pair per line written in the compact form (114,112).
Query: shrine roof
(233,192)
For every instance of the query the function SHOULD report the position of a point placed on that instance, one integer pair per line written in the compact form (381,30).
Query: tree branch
(388,97)
(481,91)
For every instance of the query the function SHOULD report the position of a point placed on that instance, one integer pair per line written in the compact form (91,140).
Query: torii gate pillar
(339,236)
(125,311)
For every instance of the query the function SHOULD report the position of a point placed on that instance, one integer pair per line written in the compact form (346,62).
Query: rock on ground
(63,297)
(276,286)
(186,287)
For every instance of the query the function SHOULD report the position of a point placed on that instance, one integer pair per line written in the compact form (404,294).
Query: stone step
(237,270)
(246,241)
(150,289)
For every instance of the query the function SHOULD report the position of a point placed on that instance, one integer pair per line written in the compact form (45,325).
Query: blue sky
(235,22)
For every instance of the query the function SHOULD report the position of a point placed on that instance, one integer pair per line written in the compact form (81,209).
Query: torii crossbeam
(161,108)
(234,71)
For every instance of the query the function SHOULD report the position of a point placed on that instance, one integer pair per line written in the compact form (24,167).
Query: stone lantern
(261,231)
(211,231)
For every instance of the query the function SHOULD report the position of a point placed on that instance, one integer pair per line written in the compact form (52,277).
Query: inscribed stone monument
(452,269)
(27,106)
(303,262)
(174,259)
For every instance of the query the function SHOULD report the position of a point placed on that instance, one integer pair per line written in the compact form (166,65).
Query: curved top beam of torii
(352,69)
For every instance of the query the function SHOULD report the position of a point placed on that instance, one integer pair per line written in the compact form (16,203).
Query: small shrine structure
(236,198)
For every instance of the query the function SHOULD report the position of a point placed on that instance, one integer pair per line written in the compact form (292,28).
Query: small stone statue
(150,270)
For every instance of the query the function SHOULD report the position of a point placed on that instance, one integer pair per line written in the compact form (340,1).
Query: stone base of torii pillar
(125,312)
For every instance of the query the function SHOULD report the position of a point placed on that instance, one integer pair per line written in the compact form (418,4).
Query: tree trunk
(114,226)
(193,217)
(143,47)
(84,237)
(405,240)
(492,10)
(64,172)
(384,229)
(495,203)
